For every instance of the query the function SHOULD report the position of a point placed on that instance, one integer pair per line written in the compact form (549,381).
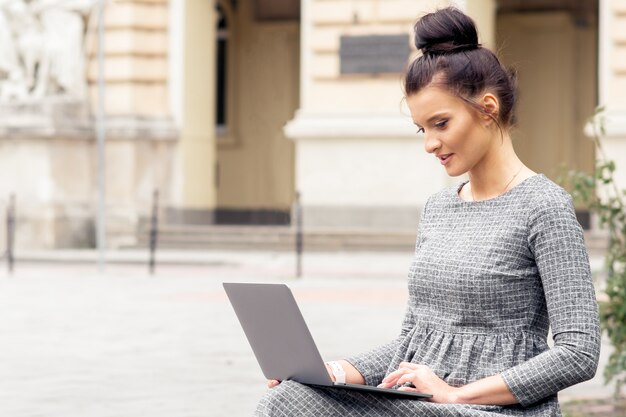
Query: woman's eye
(420,130)
(441,124)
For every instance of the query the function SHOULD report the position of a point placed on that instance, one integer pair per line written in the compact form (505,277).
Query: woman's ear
(491,107)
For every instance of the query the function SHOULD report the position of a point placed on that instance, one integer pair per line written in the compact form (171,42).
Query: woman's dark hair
(452,56)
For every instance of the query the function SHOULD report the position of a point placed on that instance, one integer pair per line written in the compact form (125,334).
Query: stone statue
(41,48)
(13,13)
(63,27)
(8,55)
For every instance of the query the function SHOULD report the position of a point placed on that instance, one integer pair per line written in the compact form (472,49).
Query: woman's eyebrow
(435,116)
(431,118)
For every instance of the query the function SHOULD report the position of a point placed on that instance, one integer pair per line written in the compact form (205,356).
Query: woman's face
(458,135)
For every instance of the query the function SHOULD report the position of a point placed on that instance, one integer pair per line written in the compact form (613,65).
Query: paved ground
(76,342)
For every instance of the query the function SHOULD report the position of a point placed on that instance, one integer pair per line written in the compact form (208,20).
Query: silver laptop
(281,340)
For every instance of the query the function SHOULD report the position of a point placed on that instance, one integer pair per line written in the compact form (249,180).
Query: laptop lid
(277,332)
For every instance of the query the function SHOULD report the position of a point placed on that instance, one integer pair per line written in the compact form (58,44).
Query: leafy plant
(599,192)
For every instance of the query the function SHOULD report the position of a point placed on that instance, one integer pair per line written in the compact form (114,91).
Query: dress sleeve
(556,240)
(373,365)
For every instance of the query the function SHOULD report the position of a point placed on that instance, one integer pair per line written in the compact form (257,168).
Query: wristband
(338,372)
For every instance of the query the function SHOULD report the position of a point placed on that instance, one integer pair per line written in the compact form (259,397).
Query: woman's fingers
(272,383)
(392,379)
(409,377)
(395,377)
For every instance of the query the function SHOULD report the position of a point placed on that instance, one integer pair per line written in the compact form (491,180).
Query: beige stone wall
(136,58)
(613,82)
(616,98)
(256,160)
(328,91)
(360,163)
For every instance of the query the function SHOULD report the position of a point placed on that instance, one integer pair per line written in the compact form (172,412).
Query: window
(221,107)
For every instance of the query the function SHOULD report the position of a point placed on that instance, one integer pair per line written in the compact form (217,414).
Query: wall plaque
(373,54)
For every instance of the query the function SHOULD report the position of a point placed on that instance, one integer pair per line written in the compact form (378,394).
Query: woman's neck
(497,173)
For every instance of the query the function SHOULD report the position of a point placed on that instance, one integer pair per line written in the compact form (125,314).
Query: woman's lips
(445,159)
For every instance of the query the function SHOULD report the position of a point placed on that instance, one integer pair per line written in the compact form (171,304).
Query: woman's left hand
(424,380)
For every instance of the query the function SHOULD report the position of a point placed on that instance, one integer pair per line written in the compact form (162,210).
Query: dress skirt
(292,399)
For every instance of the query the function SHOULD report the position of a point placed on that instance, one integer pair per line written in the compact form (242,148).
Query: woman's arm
(490,390)
(556,240)
(353,376)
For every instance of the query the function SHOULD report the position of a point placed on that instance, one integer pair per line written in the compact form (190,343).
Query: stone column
(197,148)
(484,14)
(141,136)
(612,81)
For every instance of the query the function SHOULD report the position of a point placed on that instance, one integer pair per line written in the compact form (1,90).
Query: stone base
(48,159)
(52,226)
(53,116)
(175,215)
(339,218)
(351,218)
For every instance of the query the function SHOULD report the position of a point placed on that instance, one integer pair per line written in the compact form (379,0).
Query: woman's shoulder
(551,206)
(445,195)
(543,192)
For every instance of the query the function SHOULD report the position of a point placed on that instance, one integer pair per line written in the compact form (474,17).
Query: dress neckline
(498,197)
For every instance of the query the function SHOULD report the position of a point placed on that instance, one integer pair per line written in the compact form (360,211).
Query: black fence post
(299,238)
(154,231)
(11,233)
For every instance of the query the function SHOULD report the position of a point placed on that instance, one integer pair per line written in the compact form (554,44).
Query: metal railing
(10,254)
(154,231)
(299,235)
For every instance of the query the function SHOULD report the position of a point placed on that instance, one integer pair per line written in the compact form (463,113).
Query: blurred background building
(230,107)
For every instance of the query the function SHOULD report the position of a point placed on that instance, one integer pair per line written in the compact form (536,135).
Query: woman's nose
(431,143)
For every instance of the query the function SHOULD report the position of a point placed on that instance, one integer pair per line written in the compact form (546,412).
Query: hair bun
(445,31)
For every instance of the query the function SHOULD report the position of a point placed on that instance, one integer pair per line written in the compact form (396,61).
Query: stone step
(282,238)
(276,238)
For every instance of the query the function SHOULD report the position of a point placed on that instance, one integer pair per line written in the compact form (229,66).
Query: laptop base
(409,395)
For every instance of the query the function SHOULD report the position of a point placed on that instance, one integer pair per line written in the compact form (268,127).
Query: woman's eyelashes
(441,124)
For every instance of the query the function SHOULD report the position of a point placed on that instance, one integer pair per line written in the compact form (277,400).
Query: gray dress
(487,280)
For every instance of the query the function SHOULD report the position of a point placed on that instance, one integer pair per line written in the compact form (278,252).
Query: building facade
(231,107)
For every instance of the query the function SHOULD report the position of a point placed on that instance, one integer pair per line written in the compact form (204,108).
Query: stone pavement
(76,342)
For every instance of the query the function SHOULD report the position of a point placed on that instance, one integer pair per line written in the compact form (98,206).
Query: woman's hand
(424,380)
(273,383)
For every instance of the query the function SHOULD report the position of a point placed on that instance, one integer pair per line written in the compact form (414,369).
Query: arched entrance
(258,58)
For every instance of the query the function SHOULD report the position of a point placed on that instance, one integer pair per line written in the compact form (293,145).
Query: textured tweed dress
(487,281)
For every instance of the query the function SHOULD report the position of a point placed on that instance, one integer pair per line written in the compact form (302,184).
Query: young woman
(498,260)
